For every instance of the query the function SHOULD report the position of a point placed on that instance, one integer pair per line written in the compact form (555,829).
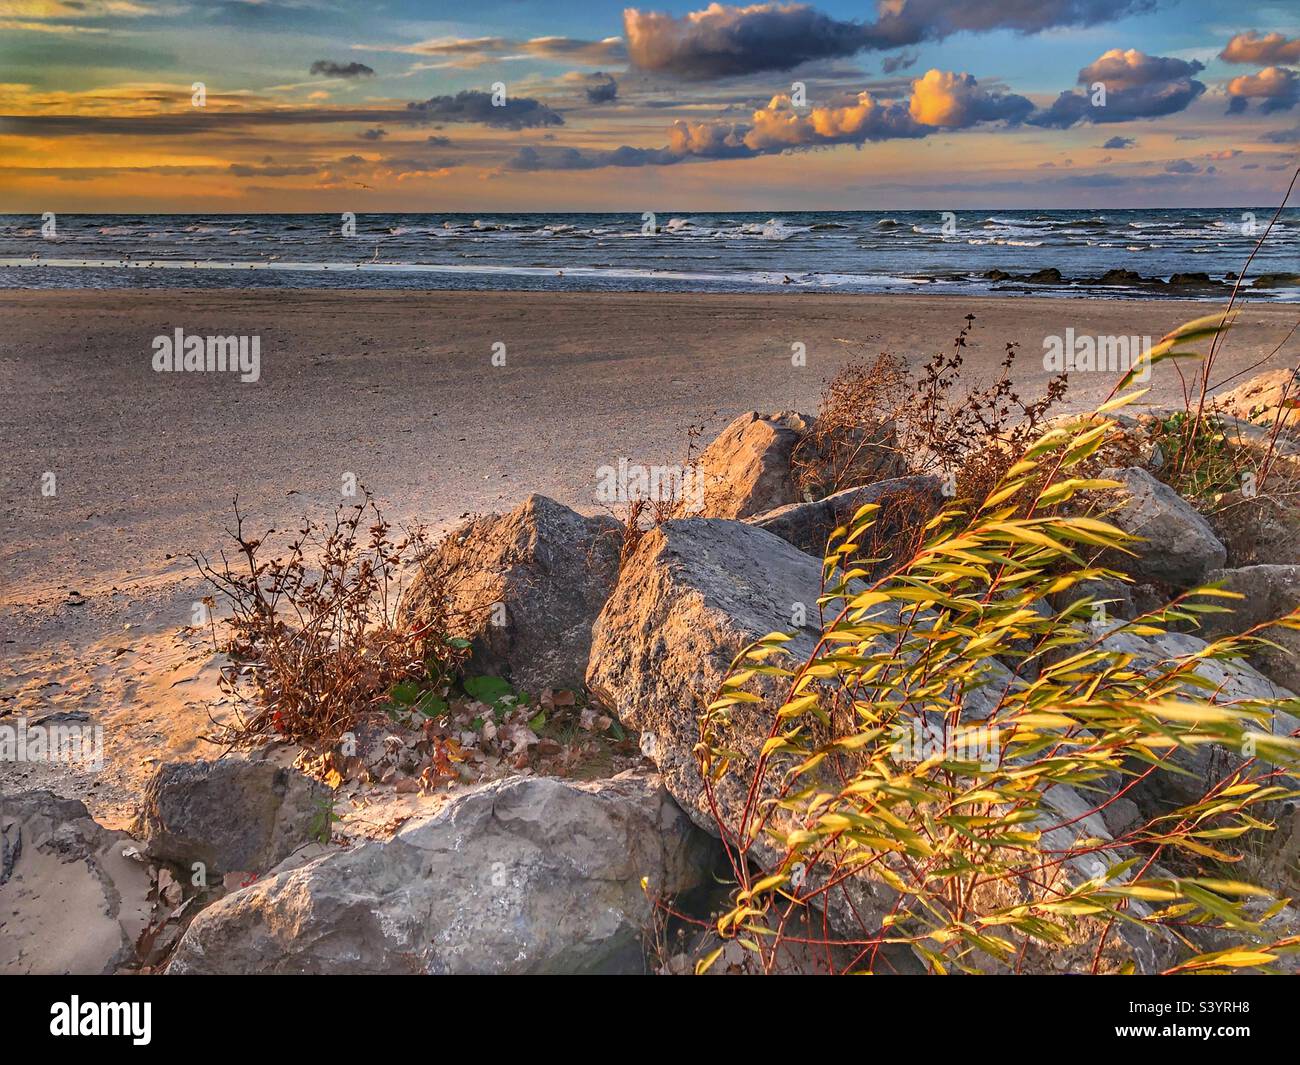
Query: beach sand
(399,389)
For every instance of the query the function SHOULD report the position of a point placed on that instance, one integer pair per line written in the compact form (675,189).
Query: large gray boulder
(1270,592)
(1229,681)
(692,596)
(1067,818)
(746,469)
(232,815)
(524,588)
(1269,857)
(1179,547)
(526,875)
(694,593)
(906,503)
(72,900)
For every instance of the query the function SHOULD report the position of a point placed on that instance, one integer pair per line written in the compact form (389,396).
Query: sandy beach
(399,389)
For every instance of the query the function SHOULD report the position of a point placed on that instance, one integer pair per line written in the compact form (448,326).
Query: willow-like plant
(936,770)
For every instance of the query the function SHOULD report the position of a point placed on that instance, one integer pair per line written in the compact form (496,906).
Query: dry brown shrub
(852,438)
(935,422)
(312,630)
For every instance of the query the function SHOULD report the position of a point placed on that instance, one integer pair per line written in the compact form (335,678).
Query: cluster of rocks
(537,874)
(1187,282)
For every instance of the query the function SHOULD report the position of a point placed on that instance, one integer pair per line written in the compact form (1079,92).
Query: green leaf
(405,693)
(487,689)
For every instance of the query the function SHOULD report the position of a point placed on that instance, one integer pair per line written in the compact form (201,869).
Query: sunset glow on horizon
(155,106)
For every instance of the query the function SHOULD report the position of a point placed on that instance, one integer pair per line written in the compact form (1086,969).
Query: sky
(142,106)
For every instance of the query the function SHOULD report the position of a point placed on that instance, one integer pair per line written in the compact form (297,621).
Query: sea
(822,251)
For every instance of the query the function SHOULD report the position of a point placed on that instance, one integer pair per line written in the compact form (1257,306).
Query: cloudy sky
(325,105)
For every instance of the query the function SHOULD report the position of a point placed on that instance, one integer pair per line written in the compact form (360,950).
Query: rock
(1270,592)
(1128,442)
(1283,923)
(1261,399)
(1111,599)
(1282,280)
(1180,546)
(746,469)
(526,875)
(233,815)
(524,588)
(693,594)
(907,503)
(1050,276)
(1231,681)
(1193,280)
(1068,818)
(1119,277)
(71,902)
(1257,530)
(1120,816)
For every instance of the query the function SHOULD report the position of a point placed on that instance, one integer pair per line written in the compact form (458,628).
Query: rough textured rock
(1114,598)
(746,469)
(524,588)
(231,814)
(693,594)
(1070,816)
(527,875)
(1257,530)
(1232,681)
(1260,399)
(907,503)
(70,901)
(1180,546)
(1270,592)
(830,460)
(1127,444)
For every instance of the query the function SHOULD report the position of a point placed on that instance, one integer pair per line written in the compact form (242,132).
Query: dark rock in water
(1192,279)
(1276,281)
(999,275)
(233,815)
(1050,276)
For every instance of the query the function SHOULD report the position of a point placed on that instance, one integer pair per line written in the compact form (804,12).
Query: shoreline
(259,275)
